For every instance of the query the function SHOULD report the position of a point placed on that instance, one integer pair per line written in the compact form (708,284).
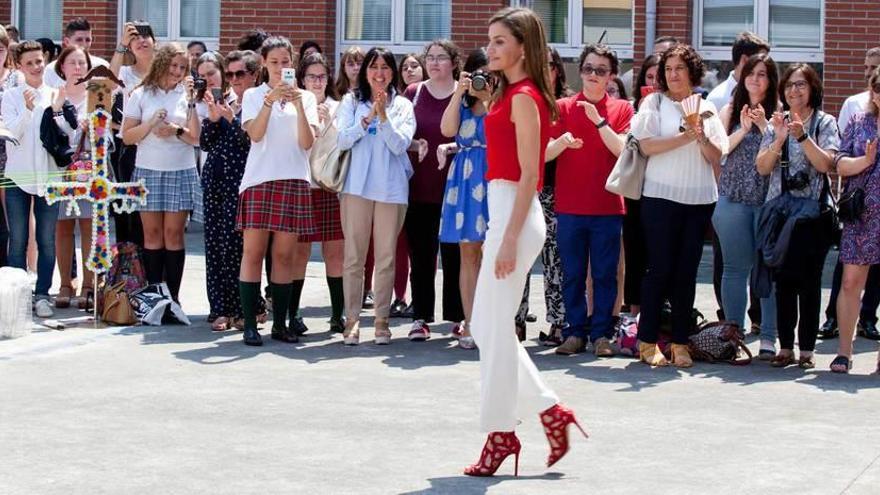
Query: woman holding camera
(465,211)
(274,194)
(430,99)
(797,151)
(860,241)
(160,118)
(377,125)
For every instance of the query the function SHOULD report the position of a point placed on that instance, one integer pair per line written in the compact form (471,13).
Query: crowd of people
(231,141)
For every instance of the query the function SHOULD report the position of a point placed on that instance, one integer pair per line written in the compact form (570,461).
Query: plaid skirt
(169,191)
(277,206)
(328,223)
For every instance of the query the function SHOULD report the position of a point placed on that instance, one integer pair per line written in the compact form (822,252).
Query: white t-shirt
(723,93)
(853,105)
(28,164)
(154,153)
(131,79)
(278,156)
(52,79)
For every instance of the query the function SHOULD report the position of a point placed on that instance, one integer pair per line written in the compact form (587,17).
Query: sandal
(65,293)
(806,362)
(220,324)
(841,364)
(86,298)
(782,360)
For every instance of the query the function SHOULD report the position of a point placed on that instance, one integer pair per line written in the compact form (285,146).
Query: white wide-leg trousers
(511,385)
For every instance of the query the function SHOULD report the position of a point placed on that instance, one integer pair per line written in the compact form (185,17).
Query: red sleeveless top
(501,150)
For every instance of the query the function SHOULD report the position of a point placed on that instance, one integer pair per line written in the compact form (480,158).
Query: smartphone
(217,94)
(646,90)
(288,76)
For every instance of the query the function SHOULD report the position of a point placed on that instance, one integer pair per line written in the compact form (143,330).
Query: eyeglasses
(599,71)
(437,58)
(313,78)
(799,85)
(238,73)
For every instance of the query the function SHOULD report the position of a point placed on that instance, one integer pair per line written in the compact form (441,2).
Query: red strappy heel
(556,421)
(499,445)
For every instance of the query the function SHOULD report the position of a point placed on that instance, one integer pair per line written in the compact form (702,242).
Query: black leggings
(635,258)
(799,285)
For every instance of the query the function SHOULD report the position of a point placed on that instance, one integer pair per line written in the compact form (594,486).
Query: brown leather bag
(720,341)
(117,308)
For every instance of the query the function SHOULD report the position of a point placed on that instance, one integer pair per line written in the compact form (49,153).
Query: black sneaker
(868,330)
(368,300)
(398,308)
(298,325)
(337,326)
(829,329)
(409,312)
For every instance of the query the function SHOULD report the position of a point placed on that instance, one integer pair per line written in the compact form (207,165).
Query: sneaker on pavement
(43,308)
(419,331)
(369,301)
(398,307)
(767,350)
(602,348)
(571,345)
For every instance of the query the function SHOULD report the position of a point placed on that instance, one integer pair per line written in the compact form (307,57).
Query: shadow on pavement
(474,485)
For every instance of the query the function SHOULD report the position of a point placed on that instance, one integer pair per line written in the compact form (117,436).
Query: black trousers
(4,234)
(635,257)
(799,284)
(128,225)
(674,234)
(870,298)
(422,225)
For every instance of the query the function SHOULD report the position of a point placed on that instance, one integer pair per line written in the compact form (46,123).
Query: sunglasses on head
(599,71)
(238,73)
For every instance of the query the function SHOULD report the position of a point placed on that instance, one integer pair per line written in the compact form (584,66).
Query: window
(176,19)
(793,27)
(572,23)
(393,22)
(38,19)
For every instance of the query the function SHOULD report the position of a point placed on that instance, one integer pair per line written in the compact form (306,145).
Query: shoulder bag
(329,164)
(627,178)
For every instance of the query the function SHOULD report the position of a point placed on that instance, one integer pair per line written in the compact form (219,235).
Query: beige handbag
(329,164)
(627,178)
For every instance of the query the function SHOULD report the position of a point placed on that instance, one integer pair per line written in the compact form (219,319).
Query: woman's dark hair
(475,60)
(217,60)
(49,46)
(621,88)
(451,49)
(691,59)
(813,79)
(316,59)
(741,94)
(560,88)
(417,58)
(62,57)
(24,47)
(197,43)
(252,40)
(272,43)
(309,44)
(602,51)
(364,92)
(642,78)
(342,82)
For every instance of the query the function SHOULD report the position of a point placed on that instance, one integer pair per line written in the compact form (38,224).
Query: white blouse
(28,164)
(681,175)
(164,154)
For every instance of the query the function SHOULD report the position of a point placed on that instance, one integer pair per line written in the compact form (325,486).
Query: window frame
(575,31)
(173,25)
(14,13)
(397,44)
(762,29)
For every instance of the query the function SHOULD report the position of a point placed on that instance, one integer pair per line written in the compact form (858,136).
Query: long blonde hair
(161,63)
(528,29)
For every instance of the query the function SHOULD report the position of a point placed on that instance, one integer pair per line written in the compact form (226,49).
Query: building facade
(833,35)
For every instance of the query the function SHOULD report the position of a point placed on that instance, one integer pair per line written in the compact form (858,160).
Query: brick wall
(470,21)
(850,30)
(674,19)
(6,12)
(102,17)
(299,20)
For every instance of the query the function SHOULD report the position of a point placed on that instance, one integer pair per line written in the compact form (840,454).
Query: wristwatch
(602,123)
(803,137)
(121,49)
(179,132)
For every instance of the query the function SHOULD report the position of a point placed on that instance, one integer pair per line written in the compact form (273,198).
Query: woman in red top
(520,113)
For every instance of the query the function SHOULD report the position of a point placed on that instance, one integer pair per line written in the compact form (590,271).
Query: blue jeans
(736,226)
(594,241)
(18,207)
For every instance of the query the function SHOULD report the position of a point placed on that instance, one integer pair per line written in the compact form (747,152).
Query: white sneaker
(43,308)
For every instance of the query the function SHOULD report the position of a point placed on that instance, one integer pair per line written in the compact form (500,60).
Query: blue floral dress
(860,242)
(465,212)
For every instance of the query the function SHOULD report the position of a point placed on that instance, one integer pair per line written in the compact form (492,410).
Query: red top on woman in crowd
(501,150)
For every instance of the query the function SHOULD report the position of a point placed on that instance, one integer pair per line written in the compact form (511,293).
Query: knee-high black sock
(174,262)
(249,292)
(154,264)
(295,296)
(337,297)
(280,304)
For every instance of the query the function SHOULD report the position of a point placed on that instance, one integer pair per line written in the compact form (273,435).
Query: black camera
(144,29)
(200,84)
(480,80)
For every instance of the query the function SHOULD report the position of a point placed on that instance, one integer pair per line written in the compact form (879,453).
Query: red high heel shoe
(499,445)
(556,421)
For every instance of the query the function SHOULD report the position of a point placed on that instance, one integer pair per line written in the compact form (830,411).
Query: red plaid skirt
(277,206)
(328,223)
